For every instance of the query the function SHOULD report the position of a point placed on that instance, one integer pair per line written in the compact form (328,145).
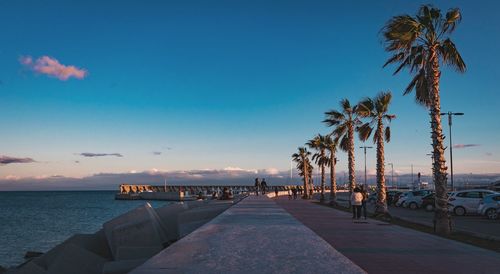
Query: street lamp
(392,173)
(450,114)
(365,147)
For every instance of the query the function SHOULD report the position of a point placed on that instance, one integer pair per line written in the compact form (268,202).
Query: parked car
(429,202)
(396,197)
(413,199)
(467,201)
(489,206)
(372,198)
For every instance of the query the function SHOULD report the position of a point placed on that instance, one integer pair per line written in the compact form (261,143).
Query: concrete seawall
(254,236)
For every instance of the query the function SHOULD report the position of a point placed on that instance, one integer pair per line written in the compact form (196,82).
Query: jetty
(187,192)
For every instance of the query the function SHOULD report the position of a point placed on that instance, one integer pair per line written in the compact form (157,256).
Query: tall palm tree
(376,110)
(304,167)
(345,122)
(422,43)
(331,143)
(320,158)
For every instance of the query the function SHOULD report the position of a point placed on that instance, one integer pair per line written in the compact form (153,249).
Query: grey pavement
(378,247)
(254,236)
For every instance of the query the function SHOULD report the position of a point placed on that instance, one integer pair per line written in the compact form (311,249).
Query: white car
(412,199)
(467,201)
(490,206)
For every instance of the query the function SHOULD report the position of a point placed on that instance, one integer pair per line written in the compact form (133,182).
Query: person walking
(356,201)
(294,192)
(365,200)
(263,185)
(276,191)
(257,186)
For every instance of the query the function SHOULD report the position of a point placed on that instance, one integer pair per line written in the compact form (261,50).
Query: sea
(40,220)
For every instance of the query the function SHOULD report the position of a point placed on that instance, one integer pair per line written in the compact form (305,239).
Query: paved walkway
(380,248)
(254,236)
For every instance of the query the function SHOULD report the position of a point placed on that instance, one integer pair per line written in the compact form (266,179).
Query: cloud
(156,152)
(465,145)
(89,154)
(5,160)
(51,66)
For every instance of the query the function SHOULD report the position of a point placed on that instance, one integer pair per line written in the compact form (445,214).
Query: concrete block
(134,234)
(122,266)
(138,227)
(76,260)
(186,228)
(168,216)
(202,213)
(136,252)
(95,243)
(27,268)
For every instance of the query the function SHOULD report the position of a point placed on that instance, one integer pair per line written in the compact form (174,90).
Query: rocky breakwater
(125,242)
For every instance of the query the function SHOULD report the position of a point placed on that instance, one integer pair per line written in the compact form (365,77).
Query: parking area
(474,224)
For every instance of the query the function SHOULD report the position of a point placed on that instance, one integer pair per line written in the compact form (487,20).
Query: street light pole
(450,114)
(392,173)
(365,147)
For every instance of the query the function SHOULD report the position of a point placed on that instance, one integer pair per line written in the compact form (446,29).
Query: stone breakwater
(190,192)
(126,241)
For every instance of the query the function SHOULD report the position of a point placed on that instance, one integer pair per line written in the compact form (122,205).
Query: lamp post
(392,173)
(450,114)
(365,147)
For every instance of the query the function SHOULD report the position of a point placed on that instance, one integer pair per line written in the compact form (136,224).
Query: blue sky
(217,84)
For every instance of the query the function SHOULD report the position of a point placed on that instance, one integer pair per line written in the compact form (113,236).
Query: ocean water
(38,221)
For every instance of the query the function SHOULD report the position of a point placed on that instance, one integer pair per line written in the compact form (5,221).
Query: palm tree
(421,44)
(304,167)
(376,110)
(320,158)
(331,146)
(345,121)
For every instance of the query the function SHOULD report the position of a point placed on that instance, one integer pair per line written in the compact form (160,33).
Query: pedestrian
(276,191)
(356,201)
(257,186)
(263,185)
(365,200)
(289,193)
(294,192)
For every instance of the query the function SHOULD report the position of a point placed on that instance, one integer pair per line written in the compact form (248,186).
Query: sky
(126,87)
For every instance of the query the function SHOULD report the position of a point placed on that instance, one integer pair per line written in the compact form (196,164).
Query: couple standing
(260,186)
(359,197)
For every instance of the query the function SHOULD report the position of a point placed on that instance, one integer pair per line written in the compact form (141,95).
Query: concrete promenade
(381,248)
(254,236)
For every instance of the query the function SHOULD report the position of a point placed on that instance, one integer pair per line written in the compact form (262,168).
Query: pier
(188,192)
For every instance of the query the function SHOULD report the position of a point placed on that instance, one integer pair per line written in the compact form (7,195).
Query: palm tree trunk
(306,180)
(322,199)
(381,206)
(441,215)
(333,183)
(352,166)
